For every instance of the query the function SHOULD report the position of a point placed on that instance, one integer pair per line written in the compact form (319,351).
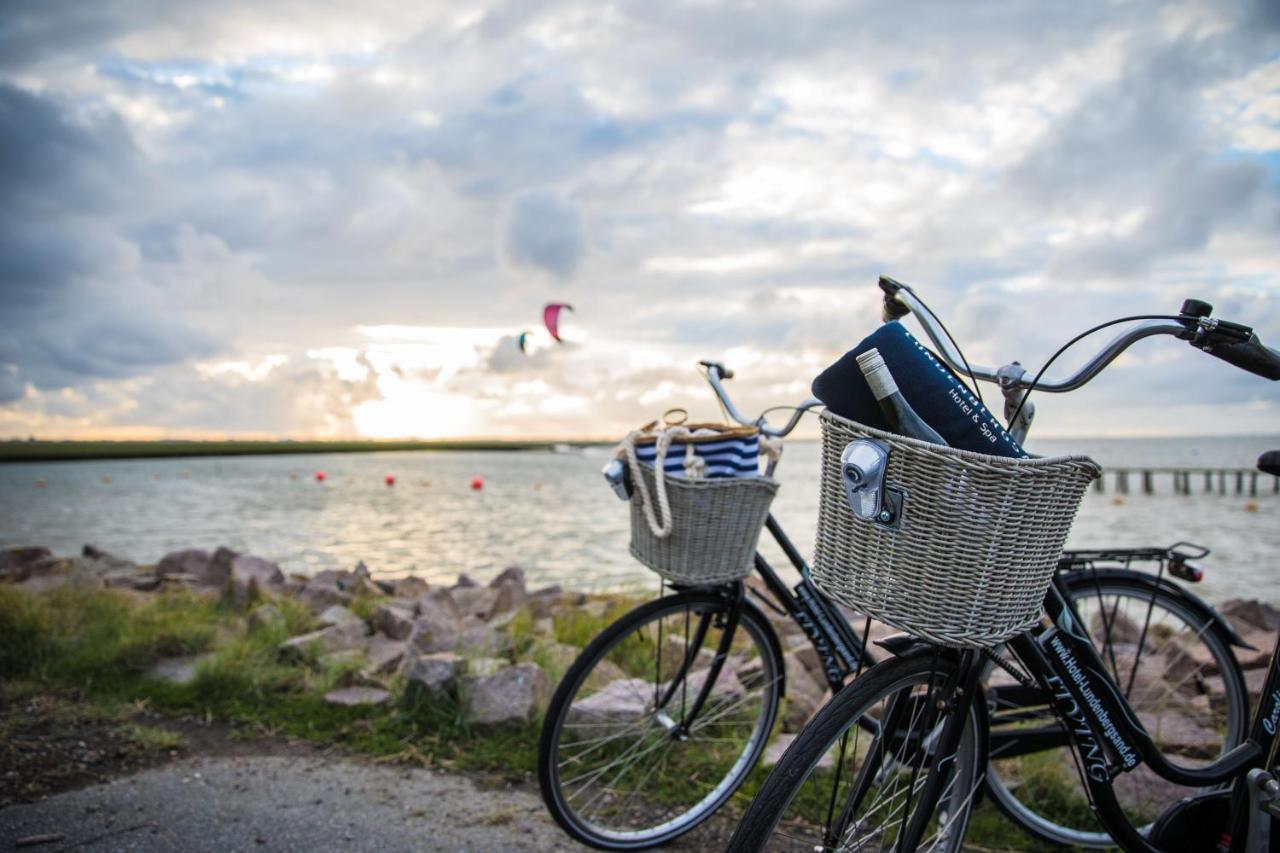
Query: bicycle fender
(1197,604)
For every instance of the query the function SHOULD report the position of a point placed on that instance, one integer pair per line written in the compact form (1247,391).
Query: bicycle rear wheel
(640,744)
(853,778)
(1179,675)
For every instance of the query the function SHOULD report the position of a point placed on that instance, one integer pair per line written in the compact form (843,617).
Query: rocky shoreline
(492,648)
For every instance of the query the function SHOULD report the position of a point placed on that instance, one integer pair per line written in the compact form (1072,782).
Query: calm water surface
(548,512)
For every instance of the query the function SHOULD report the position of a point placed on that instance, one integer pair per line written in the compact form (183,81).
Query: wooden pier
(1186,481)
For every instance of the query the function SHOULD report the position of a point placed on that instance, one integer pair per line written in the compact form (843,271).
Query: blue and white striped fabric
(729,457)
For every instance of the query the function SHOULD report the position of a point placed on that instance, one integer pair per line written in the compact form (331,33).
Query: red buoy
(477,483)
(320,476)
(390,479)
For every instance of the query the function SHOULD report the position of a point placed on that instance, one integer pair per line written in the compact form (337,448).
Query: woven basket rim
(724,431)
(959,453)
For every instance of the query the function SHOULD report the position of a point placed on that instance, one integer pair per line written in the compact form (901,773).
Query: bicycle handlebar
(1231,342)
(717,372)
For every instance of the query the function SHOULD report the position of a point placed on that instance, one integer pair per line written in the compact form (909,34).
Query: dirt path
(285,803)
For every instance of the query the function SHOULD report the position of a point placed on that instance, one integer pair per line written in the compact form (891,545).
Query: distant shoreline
(62,451)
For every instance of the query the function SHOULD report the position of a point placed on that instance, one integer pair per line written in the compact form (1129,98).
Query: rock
(177,670)
(266,617)
(622,701)
(1263,642)
(602,674)
(345,657)
(545,602)
(385,656)
(106,559)
(336,577)
(511,695)
(410,587)
(190,561)
(360,572)
(475,601)
(338,615)
(1185,656)
(218,570)
(15,563)
(437,626)
(479,638)
(131,578)
(773,752)
(320,593)
(1175,734)
(395,622)
(510,596)
(805,694)
(246,568)
(485,666)
(1249,614)
(513,574)
(544,627)
(335,638)
(555,657)
(437,673)
(463,582)
(352,696)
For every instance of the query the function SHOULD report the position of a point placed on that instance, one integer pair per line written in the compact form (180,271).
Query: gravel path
(286,803)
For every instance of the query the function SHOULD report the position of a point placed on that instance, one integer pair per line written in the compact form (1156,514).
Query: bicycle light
(862,466)
(615,474)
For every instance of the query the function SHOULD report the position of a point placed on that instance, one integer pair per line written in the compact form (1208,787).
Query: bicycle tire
(1052,806)
(779,813)
(661,815)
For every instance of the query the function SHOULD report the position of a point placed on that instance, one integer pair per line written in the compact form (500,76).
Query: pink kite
(551,316)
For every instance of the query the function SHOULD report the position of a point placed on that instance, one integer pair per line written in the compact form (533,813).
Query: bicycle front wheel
(640,744)
(854,777)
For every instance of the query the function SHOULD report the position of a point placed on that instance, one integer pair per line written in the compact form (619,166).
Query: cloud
(187,182)
(544,233)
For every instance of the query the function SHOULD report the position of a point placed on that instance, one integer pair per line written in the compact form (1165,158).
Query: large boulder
(16,563)
(410,587)
(338,615)
(805,694)
(385,656)
(621,702)
(545,602)
(475,601)
(510,696)
(335,638)
(1251,614)
(320,593)
(395,622)
(190,562)
(436,673)
(480,638)
(218,570)
(438,626)
(250,575)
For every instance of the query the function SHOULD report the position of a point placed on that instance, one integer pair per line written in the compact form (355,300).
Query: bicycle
(937,719)
(608,723)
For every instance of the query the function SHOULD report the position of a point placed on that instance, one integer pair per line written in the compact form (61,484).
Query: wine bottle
(898,414)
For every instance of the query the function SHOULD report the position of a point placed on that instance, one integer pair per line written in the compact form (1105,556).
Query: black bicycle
(663,716)
(897,758)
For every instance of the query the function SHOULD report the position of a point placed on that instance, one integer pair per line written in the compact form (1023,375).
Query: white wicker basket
(974,547)
(715,525)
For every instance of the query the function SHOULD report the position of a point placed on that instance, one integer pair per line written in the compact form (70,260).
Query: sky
(333,219)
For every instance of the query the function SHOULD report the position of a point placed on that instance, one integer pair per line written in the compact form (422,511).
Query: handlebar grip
(1249,354)
(892,308)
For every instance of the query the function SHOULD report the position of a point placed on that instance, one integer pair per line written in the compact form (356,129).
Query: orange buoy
(477,483)
(40,484)
(1251,506)
(320,476)
(390,479)
(1118,501)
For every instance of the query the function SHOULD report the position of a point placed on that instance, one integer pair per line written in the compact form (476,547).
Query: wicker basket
(974,547)
(715,525)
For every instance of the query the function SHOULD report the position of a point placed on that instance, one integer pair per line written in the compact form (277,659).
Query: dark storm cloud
(544,232)
(74,307)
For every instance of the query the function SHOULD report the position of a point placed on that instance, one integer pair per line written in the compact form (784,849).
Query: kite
(551,316)
(520,341)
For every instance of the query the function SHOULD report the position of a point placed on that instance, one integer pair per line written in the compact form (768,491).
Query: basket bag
(950,545)
(694,530)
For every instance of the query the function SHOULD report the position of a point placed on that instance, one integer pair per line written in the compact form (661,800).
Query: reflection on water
(548,512)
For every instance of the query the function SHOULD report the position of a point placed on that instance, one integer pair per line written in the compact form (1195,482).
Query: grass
(97,646)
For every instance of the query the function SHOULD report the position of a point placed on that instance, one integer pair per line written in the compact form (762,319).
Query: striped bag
(701,450)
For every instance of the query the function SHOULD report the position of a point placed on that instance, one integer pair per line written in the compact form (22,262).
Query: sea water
(551,512)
